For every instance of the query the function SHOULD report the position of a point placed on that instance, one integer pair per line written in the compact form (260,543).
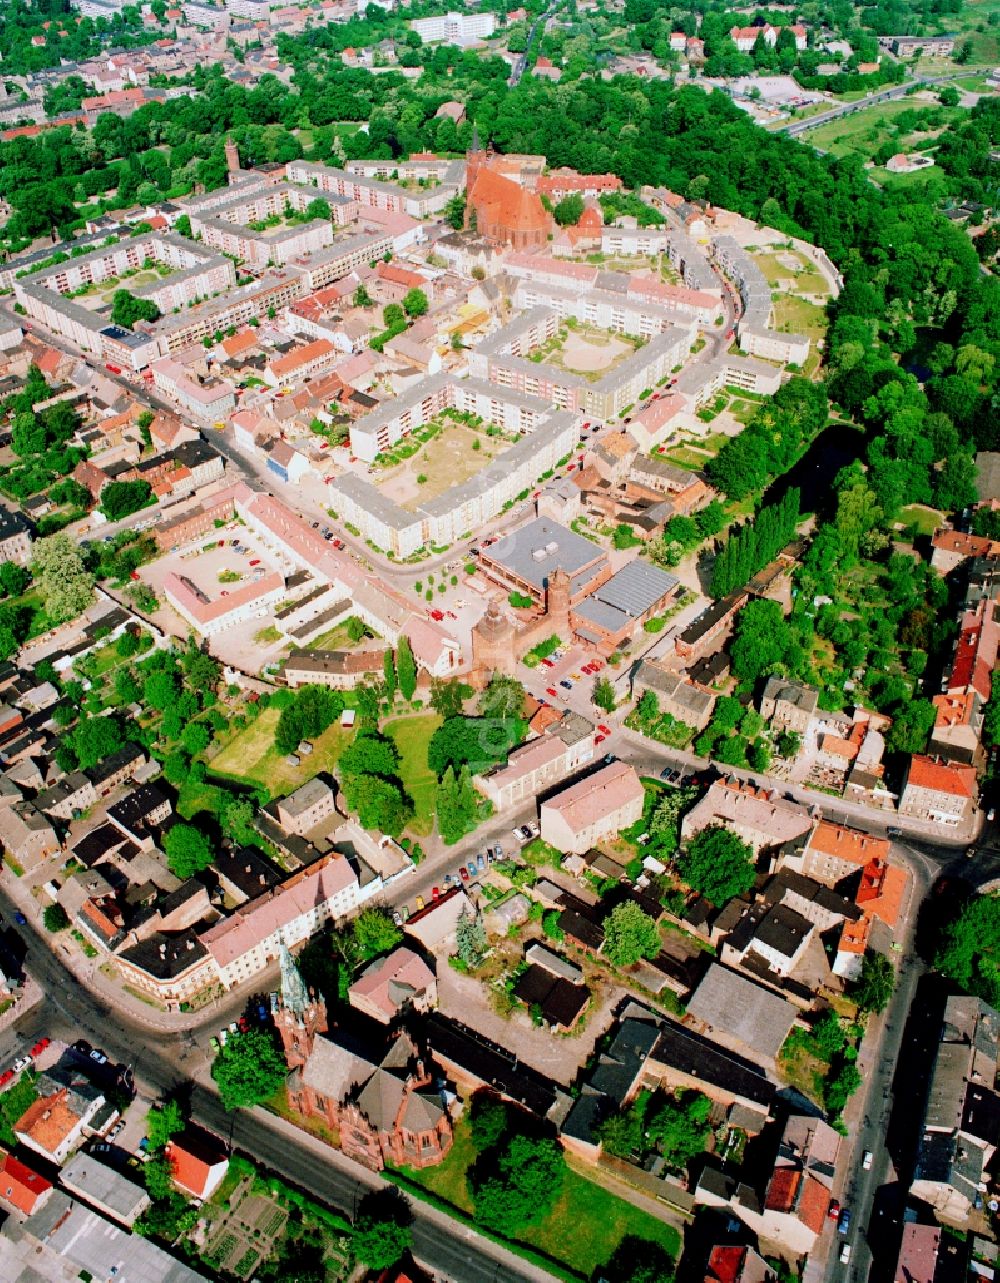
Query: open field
(457,453)
(585,350)
(250,755)
(411,735)
(864,132)
(585,1225)
(797,316)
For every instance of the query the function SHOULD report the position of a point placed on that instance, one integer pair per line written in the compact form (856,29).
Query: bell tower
(557,601)
(298,1014)
(232,158)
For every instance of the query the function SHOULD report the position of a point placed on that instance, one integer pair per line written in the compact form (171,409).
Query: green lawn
(585,1225)
(411,735)
(863,132)
(250,755)
(926,520)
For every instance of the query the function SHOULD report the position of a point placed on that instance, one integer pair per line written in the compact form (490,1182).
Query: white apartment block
(369,191)
(464,507)
(341,258)
(243,944)
(455,28)
(754,330)
(205,401)
(634,241)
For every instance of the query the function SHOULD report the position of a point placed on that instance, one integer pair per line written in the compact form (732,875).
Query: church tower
(298,1014)
(493,646)
(557,593)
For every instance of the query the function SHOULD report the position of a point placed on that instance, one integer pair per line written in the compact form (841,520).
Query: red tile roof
(19,1185)
(500,202)
(957,781)
(797,1194)
(192,1158)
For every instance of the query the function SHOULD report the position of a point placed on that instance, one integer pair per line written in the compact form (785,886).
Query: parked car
(548,663)
(22,1062)
(397,918)
(471,866)
(867,1158)
(566,684)
(551,691)
(82,1045)
(20,919)
(6,1077)
(223,1035)
(435,893)
(605,730)
(117,1130)
(39,1047)
(845,1253)
(464,872)
(419,902)
(834,1211)
(599,739)
(844,1223)
(481,861)
(99,1057)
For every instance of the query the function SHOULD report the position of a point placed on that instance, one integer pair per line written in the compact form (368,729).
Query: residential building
(740,1014)
(675,695)
(311,805)
(940,792)
(391,986)
(336,669)
(462,29)
(105,1189)
(757,816)
(198,1162)
(798,1195)
(54,1125)
(22,1190)
(833,852)
(244,943)
(595,808)
(788,706)
(567,745)
(26,835)
(16,536)
(960,1131)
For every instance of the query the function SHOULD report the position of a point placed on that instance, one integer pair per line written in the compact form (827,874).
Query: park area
(435,459)
(249,756)
(863,133)
(99,296)
(584,1227)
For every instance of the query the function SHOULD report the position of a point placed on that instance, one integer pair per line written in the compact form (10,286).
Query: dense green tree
(375,932)
(55,918)
(603,694)
(876,982)
(502,698)
(519,1185)
(96,738)
(163,1122)
(569,210)
(188,851)
(415,302)
(127,310)
(248,1069)
(406,667)
(14,579)
(119,499)
(479,741)
(470,939)
(382,1230)
(488,1119)
(447,696)
(718,865)
(62,578)
(629,934)
(968,950)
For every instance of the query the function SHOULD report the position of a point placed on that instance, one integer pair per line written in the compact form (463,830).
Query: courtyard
(438,457)
(586,350)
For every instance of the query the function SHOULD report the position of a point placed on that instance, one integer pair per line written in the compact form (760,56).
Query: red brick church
(501,209)
(380,1098)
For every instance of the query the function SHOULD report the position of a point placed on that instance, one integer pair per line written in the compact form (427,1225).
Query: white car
(22,1062)
(845,1253)
(867,1158)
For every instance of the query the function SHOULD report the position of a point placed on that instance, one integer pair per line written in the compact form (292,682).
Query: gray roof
(730,1004)
(103,1186)
(627,595)
(540,547)
(87,1242)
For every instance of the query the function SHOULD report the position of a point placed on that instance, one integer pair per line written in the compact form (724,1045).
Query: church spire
(294,995)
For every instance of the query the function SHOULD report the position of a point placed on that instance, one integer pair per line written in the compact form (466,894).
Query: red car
(6,1077)
(548,663)
(599,739)
(834,1211)
(437,615)
(549,690)
(605,730)
(255,562)
(435,892)
(465,873)
(597,665)
(39,1047)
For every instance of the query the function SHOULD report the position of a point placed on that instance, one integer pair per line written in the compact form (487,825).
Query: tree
(13,578)
(375,933)
(569,210)
(718,865)
(362,298)
(415,302)
(370,754)
(318,208)
(158,1178)
(96,738)
(248,1069)
(629,934)
(406,668)
(381,804)
(119,499)
(127,310)
(488,1119)
(876,982)
(968,949)
(393,316)
(382,1231)
(470,939)
(454,211)
(55,918)
(679,1126)
(447,697)
(604,694)
(519,1183)
(479,741)
(188,851)
(162,1122)
(502,698)
(196,738)
(456,803)
(389,674)
(637,1260)
(62,578)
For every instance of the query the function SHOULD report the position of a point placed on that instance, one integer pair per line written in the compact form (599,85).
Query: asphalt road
(796,127)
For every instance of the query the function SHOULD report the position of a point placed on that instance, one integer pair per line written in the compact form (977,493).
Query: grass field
(411,735)
(797,316)
(925,520)
(863,132)
(777,267)
(585,1225)
(251,755)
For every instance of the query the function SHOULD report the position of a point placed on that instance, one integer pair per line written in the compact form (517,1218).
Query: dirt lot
(447,461)
(593,353)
